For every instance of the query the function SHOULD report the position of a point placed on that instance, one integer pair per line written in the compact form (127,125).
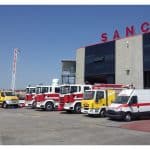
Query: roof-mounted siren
(55,82)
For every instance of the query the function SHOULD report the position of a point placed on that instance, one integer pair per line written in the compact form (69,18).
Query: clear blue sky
(48,34)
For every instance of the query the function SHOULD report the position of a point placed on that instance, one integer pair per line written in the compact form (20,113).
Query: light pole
(16,50)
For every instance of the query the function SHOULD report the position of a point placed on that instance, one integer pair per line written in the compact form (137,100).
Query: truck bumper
(29,103)
(94,111)
(12,102)
(84,111)
(90,111)
(68,106)
(60,107)
(21,103)
(40,105)
(115,114)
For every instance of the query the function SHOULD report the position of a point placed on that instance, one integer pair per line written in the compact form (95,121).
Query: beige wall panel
(80,61)
(129,61)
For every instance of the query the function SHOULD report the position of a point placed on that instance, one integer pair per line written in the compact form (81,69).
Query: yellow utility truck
(96,101)
(8,98)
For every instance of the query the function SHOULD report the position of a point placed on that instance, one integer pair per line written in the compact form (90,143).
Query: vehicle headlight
(119,109)
(8,101)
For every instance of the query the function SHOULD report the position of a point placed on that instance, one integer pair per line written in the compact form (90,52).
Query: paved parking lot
(30,127)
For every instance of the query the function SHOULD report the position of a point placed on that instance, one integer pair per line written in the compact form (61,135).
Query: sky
(47,34)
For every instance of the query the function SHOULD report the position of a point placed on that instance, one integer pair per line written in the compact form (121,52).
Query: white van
(129,104)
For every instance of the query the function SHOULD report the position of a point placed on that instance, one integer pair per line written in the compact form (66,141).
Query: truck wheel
(34,105)
(77,108)
(128,117)
(49,106)
(103,113)
(4,105)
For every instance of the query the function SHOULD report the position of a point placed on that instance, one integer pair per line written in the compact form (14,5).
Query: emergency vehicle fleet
(130,103)
(115,101)
(54,97)
(62,97)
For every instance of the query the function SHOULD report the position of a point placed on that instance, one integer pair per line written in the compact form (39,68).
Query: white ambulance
(129,104)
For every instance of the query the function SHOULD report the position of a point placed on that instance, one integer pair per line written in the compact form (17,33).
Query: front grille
(86,105)
(112,112)
(86,108)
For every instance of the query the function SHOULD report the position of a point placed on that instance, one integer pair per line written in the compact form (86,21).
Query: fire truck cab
(29,97)
(74,95)
(47,97)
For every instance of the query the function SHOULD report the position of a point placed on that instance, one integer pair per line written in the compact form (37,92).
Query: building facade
(123,61)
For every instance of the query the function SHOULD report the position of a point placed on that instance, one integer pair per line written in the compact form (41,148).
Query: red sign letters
(129,31)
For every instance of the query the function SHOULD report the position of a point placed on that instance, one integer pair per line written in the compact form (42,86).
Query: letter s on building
(145,27)
(104,37)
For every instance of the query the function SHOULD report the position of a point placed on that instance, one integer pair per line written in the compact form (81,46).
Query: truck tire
(49,106)
(4,105)
(103,113)
(77,108)
(34,105)
(128,117)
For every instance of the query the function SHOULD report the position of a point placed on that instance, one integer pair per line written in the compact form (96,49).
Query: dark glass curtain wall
(100,63)
(146,59)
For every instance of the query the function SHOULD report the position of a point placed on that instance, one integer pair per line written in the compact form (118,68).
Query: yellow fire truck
(96,101)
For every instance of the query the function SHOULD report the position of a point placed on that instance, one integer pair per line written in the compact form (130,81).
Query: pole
(14,69)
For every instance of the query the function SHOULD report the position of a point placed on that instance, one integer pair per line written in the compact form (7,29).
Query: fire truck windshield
(73,89)
(27,90)
(9,93)
(38,89)
(88,95)
(44,89)
(41,90)
(30,90)
(64,89)
(68,89)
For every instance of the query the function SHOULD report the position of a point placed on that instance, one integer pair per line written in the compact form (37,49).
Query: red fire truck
(52,98)
(47,97)
(71,96)
(29,97)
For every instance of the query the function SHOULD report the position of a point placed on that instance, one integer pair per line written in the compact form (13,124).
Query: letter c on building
(145,27)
